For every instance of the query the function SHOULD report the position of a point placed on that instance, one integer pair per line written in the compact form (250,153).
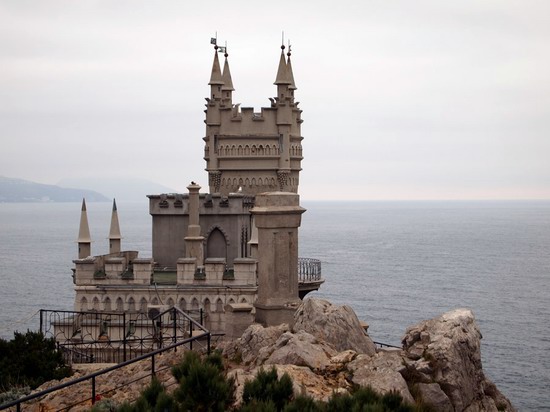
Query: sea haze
(395,263)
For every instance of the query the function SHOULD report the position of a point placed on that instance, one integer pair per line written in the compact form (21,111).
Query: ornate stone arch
(119,304)
(219,305)
(195,304)
(95,303)
(183,304)
(170,302)
(131,304)
(143,305)
(83,304)
(107,304)
(206,305)
(217,241)
(154,301)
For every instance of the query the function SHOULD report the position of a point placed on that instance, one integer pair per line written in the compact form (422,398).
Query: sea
(395,263)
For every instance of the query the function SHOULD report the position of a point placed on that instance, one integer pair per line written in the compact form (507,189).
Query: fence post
(124,336)
(191,335)
(208,343)
(201,313)
(174,325)
(41,324)
(93,390)
(152,366)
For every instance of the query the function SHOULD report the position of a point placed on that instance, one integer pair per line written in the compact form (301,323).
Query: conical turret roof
(282,72)
(216,76)
(226,76)
(290,73)
(84,229)
(114,232)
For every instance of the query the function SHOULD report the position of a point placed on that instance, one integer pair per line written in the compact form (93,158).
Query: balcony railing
(309,270)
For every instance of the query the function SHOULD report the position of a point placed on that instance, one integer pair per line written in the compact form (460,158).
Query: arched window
(170,302)
(84,304)
(183,304)
(195,304)
(119,304)
(219,305)
(131,305)
(216,245)
(95,303)
(107,304)
(207,305)
(154,301)
(143,305)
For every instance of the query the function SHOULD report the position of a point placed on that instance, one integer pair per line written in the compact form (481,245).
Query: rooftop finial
(225,51)
(288,53)
(282,40)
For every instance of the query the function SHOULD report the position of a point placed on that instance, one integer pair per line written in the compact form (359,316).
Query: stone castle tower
(252,152)
(231,253)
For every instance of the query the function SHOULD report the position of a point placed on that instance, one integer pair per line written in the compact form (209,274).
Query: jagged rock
(450,344)
(306,382)
(254,338)
(336,325)
(381,372)
(300,349)
(344,357)
(432,395)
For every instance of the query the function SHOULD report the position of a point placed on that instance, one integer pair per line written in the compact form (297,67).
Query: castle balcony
(309,276)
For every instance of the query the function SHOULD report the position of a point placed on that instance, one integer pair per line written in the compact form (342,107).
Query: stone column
(194,240)
(277,216)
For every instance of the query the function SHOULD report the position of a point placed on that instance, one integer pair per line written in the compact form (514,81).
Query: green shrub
(202,384)
(30,359)
(267,387)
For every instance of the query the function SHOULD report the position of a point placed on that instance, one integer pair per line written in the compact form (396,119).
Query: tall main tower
(248,151)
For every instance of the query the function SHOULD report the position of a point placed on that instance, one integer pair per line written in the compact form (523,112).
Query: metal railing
(94,395)
(114,337)
(309,270)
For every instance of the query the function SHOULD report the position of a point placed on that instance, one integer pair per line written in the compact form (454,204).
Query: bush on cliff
(30,359)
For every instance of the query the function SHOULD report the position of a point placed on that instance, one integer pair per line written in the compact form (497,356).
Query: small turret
(227,87)
(290,73)
(216,81)
(283,80)
(114,232)
(84,239)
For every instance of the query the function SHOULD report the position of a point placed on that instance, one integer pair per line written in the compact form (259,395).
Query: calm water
(395,263)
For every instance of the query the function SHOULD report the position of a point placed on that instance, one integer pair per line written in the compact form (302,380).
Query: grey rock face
(450,344)
(335,325)
(381,372)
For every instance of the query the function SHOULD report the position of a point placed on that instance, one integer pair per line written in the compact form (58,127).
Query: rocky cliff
(326,351)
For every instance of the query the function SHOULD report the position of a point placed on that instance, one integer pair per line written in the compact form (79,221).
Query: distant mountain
(122,189)
(19,190)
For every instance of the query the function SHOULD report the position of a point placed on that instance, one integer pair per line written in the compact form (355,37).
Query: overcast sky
(401,99)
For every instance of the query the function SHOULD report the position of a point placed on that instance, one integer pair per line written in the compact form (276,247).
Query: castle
(231,252)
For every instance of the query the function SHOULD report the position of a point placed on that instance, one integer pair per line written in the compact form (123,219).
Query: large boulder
(335,325)
(300,349)
(254,340)
(446,350)
(382,372)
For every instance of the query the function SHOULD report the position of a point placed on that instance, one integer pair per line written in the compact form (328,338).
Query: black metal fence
(196,335)
(114,337)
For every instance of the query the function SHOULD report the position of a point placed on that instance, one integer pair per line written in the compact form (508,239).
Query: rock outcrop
(336,325)
(440,362)
(445,351)
(326,351)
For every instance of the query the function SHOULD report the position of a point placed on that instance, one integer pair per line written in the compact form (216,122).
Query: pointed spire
(84,230)
(282,72)
(226,76)
(289,69)
(114,232)
(216,76)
